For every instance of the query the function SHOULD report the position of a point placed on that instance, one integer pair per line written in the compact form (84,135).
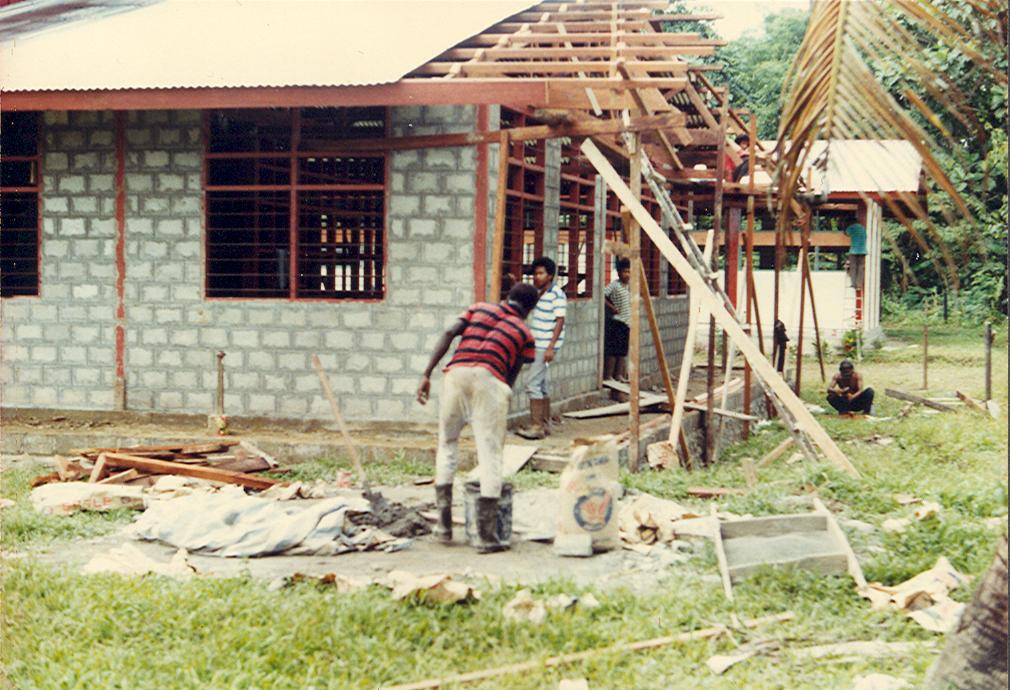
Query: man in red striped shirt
(494,344)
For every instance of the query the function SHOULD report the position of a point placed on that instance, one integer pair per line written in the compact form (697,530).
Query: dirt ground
(527,562)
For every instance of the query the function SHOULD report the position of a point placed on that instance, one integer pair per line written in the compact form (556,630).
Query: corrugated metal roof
(887,165)
(243,43)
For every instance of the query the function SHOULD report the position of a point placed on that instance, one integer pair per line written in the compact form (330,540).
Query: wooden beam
(766,238)
(634,337)
(468,69)
(152,466)
(909,397)
(761,366)
(578,52)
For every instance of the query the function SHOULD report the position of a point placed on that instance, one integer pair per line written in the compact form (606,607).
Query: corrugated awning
(173,44)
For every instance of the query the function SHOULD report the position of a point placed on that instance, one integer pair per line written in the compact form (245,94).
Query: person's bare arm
(559,324)
(857,383)
(610,305)
(834,387)
(441,347)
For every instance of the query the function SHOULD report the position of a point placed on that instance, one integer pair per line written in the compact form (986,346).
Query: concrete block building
(153,218)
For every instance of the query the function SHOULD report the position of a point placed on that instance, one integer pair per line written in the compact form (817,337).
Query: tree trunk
(975,655)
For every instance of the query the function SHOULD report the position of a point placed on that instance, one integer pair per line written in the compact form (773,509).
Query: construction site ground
(63,628)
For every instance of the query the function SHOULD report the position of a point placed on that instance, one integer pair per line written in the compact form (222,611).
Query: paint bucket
(471,492)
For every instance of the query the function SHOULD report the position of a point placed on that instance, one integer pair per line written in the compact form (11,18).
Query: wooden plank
(529,67)
(971,403)
(547,463)
(723,413)
(175,448)
(257,451)
(352,447)
(918,400)
(153,466)
(634,236)
(773,525)
(689,345)
(514,458)
(720,554)
(121,477)
(244,465)
(99,470)
(713,491)
(749,473)
(775,452)
(646,400)
(761,366)
(855,570)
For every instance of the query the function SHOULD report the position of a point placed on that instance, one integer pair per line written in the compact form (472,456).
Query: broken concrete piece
(880,681)
(898,525)
(649,519)
(924,598)
(433,589)
(927,510)
(129,560)
(573,684)
(523,608)
(69,497)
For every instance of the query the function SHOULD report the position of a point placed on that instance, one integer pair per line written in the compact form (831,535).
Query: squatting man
(494,344)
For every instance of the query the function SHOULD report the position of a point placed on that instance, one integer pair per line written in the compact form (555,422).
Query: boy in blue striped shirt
(548,325)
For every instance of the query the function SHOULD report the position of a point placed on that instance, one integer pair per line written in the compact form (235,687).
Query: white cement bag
(589,493)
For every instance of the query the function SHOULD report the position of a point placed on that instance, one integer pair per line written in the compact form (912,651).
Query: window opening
(20,190)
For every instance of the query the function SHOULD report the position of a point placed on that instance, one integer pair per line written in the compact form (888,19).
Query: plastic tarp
(230,525)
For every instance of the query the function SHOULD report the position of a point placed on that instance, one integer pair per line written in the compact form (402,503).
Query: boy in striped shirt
(548,326)
(494,343)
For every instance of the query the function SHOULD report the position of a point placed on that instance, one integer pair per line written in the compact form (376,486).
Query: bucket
(503,524)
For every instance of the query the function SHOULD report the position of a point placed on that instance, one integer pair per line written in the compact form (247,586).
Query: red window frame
(323,226)
(9,192)
(576,218)
(524,203)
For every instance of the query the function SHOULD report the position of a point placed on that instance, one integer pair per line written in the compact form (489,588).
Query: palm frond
(832,93)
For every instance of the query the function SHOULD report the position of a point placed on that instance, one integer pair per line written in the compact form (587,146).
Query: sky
(740,16)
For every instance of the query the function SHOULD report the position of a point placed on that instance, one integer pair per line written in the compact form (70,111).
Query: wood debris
(925,598)
(430,589)
(224,461)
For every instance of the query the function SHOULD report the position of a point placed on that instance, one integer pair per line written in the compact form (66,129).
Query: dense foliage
(973,153)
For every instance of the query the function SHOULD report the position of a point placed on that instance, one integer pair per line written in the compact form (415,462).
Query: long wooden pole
(720,174)
(634,337)
(554,661)
(749,257)
(500,209)
(802,267)
(988,361)
(685,362)
(813,312)
(804,420)
(352,447)
(925,356)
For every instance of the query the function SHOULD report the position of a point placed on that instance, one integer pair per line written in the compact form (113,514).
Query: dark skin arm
(834,387)
(441,347)
(549,352)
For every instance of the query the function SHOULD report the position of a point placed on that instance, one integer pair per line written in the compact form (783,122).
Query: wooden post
(500,209)
(803,307)
(219,407)
(720,174)
(988,361)
(925,356)
(813,305)
(634,337)
(749,257)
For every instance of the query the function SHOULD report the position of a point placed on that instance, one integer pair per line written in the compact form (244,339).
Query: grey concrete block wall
(59,347)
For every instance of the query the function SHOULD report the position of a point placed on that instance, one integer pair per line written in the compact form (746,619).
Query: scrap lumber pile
(227,461)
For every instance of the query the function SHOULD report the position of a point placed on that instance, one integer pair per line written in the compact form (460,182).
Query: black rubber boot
(443,504)
(487,526)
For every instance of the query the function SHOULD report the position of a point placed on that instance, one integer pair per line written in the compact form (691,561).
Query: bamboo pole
(925,356)
(501,198)
(988,361)
(813,312)
(634,339)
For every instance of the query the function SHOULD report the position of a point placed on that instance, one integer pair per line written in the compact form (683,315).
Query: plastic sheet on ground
(230,525)
(129,560)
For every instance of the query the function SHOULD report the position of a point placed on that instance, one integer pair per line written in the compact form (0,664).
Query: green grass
(64,630)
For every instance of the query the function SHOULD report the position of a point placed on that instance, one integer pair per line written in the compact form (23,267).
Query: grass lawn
(61,629)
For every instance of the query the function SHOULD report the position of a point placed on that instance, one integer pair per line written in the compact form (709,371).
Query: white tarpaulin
(231,525)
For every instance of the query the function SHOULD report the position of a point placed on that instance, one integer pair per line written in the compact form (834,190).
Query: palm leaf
(832,93)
